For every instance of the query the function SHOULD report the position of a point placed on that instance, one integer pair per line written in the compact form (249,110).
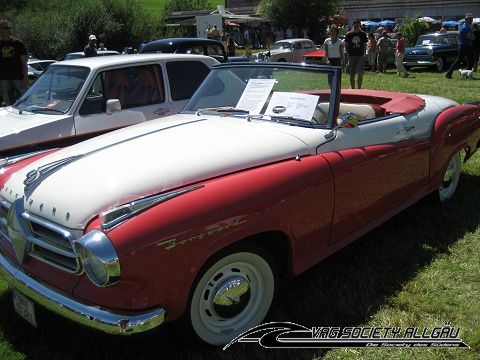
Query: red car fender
(163,249)
(454,129)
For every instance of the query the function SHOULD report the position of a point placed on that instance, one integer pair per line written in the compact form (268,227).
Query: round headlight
(99,258)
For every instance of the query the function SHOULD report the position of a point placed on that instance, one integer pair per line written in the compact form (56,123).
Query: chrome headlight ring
(99,258)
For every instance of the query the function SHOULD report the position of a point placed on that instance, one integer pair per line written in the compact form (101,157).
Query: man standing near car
(13,64)
(91,48)
(355,45)
(465,46)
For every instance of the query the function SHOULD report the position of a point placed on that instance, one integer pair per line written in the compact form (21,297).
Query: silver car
(287,50)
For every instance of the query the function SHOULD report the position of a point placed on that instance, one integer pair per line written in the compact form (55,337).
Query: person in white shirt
(334,54)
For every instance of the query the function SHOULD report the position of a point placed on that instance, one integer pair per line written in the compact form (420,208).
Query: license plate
(24,307)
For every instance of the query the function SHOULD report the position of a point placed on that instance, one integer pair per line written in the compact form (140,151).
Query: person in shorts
(355,45)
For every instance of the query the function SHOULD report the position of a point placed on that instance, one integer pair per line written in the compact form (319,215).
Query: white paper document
(255,95)
(296,105)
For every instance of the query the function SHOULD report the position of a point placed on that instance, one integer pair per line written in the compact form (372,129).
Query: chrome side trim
(76,311)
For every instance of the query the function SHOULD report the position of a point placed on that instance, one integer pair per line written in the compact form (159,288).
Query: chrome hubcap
(232,297)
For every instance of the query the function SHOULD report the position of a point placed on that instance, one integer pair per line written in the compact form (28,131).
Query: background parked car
(315,57)
(200,46)
(78,99)
(435,50)
(287,50)
(36,67)
(81,54)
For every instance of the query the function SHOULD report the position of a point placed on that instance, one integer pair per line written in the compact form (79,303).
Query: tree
(300,13)
(64,25)
(412,29)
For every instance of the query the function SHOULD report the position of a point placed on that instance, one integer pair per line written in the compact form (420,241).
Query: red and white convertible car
(194,217)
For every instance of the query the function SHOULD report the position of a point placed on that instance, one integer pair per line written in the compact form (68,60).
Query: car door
(379,167)
(139,92)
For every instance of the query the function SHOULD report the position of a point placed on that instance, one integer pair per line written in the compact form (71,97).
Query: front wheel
(440,64)
(450,178)
(232,295)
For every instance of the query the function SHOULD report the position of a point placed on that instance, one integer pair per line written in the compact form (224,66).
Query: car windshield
(264,92)
(432,40)
(55,91)
(282,45)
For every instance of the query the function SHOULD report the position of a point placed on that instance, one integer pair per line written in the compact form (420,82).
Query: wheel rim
(439,64)
(231,297)
(450,178)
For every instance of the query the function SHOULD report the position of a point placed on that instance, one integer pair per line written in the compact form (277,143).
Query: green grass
(156,6)
(421,268)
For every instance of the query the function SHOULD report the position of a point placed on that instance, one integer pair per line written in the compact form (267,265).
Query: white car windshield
(55,91)
(282,93)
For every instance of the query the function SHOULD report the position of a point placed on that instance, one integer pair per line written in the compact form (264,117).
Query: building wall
(389,9)
(406,9)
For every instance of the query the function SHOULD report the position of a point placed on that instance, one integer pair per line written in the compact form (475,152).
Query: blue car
(435,50)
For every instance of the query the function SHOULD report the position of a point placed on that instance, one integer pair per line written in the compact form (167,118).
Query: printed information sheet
(296,105)
(255,94)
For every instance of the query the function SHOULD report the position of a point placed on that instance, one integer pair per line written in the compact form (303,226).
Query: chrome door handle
(405,129)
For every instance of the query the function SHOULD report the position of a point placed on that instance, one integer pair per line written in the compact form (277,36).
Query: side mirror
(113,105)
(347,120)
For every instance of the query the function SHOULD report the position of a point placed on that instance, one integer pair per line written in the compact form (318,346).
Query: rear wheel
(450,178)
(232,295)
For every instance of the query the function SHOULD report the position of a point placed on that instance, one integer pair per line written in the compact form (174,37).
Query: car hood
(14,124)
(74,184)
(421,50)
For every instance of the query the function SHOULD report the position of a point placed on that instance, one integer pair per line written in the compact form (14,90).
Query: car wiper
(221,109)
(288,120)
(41,109)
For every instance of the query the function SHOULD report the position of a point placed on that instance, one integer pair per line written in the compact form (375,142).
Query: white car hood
(145,159)
(13,123)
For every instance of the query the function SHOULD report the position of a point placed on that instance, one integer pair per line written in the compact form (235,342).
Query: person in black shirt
(355,45)
(13,64)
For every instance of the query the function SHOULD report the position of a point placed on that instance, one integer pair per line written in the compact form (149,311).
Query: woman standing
(334,48)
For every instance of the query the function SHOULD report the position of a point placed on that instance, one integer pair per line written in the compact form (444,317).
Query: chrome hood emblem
(44,171)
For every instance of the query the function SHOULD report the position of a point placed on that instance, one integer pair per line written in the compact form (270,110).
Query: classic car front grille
(47,242)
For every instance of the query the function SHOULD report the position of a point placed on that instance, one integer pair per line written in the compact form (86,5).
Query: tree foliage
(412,29)
(299,13)
(64,25)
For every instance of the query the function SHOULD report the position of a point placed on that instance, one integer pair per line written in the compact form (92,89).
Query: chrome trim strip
(74,310)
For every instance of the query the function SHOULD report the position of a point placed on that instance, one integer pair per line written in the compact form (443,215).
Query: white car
(287,50)
(78,99)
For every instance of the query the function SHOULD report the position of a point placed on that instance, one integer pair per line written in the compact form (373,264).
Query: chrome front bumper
(76,311)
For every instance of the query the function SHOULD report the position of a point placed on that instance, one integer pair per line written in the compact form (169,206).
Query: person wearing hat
(13,64)
(465,46)
(91,48)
